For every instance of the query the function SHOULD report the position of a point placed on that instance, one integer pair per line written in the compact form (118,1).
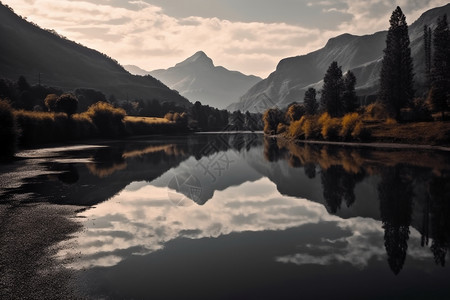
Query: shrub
(107,118)
(421,110)
(390,121)
(295,112)
(376,111)
(360,132)
(8,130)
(181,120)
(349,122)
(311,127)
(82,126)
(41,127)
(272,117)
(330,127)
(281,128)
(50,102)
(67,103)
(296,129)
(325,117)
(138,127)
(169,116)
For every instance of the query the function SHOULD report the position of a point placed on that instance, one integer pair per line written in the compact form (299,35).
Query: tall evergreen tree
(396,76)
(441,66)
(427,37)
(333,87)
(310,102)
(349,99)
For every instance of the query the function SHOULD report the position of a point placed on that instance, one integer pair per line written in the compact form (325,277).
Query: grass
(149,120)
(425,133)
(151,125)
(101,120)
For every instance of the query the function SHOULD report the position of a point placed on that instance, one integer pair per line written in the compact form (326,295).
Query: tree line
(36,114)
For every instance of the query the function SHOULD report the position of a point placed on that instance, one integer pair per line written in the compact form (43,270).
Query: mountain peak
(340,40)
(199,58)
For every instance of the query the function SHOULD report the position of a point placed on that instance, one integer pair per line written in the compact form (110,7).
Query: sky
(250,36)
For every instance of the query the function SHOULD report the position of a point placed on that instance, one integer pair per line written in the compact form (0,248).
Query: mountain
(31,51)
(198,79)
(136,70)
(361,54)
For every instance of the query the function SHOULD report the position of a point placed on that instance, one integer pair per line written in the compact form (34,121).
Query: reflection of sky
(141,219)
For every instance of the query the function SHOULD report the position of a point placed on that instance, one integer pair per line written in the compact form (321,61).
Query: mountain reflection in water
(276,209)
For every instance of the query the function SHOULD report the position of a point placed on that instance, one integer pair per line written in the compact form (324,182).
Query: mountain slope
(29,50)
(136,70)
(198,79)
(361,54)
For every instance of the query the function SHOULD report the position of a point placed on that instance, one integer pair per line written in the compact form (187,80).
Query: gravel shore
(31,232)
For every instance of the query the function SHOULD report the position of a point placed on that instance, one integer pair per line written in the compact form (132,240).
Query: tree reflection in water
(396,194)
(407,180)
(440,191)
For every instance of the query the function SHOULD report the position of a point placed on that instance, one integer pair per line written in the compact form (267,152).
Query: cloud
(157,34)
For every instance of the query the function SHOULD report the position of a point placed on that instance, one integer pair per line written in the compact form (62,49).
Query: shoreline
(101,142)
(375,144)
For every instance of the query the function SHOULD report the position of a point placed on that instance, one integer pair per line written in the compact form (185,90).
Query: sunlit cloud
(156,35)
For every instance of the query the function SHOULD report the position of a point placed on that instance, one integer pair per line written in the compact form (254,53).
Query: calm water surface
(241,216)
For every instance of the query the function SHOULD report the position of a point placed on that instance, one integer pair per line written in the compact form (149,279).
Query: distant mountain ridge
(31,51)
(197,79)
(360,54)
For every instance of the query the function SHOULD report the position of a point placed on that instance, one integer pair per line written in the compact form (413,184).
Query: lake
(242,216)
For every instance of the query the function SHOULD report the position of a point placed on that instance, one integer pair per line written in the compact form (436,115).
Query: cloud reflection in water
(141,219)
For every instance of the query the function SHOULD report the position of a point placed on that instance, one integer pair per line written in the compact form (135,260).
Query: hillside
(197,79)
(361,54)
(30,51)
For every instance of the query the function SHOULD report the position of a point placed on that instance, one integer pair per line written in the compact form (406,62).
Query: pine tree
(310,102)
(349,99)
(332,90)
(427,36)
(396,76)
(441,67)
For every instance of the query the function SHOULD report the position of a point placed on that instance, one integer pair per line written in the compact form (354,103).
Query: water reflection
(278,210)
(213,186)
(108,170)
(409,185)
